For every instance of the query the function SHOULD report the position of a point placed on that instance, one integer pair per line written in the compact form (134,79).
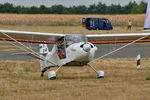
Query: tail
(147,19)
(43,49)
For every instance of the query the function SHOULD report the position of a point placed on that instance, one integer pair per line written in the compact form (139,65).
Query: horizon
(66,3)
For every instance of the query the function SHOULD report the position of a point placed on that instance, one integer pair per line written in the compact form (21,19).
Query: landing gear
(52,75)
(99,73)
(44,70)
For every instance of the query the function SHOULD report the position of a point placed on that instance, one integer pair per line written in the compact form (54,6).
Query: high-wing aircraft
(68,48)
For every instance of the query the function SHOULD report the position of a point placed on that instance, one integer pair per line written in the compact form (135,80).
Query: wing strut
(28,49)
(90,63)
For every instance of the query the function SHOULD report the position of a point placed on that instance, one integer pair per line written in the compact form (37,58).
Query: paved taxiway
(128,52)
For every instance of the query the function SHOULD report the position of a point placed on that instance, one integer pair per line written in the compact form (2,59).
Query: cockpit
(71,39)
(66,41)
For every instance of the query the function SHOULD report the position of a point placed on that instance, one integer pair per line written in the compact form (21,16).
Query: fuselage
(77,48)
(72,48)
(81,51)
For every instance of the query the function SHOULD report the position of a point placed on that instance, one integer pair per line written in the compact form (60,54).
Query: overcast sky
(66,3)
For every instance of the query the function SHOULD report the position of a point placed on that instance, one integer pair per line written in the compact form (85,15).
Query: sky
(67,3)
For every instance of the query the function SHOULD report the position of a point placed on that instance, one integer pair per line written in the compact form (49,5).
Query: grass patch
(148,78)
(26,70)
(122,81)
(67,20)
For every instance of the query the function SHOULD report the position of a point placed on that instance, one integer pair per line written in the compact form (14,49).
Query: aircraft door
(61,48)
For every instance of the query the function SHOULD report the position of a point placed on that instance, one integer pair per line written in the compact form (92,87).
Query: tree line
(100,8)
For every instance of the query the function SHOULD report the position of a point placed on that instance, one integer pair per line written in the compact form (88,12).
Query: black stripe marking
(138,62)
(146,28)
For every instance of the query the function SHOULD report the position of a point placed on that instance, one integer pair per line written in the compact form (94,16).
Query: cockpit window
(70,39)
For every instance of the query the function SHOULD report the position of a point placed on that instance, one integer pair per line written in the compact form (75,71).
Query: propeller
(86,46)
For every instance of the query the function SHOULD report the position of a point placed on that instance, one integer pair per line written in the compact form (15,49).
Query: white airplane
(70,47)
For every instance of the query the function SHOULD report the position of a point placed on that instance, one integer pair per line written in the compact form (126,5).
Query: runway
(129,52)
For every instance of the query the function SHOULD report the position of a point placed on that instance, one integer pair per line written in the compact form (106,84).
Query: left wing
(37,36)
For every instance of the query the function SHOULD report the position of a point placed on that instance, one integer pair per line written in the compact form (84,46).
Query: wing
(114,38)
(37,36)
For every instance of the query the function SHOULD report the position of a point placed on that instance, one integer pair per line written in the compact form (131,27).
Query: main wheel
(100,74)
(52,75)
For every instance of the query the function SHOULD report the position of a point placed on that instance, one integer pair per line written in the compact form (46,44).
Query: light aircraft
(71,47)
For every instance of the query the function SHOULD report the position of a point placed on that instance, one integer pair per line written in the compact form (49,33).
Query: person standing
(129,25)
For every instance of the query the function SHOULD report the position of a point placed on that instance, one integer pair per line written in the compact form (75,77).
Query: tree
(92,9)
(99,8)
(57,9)
(7,8)
(33,10)
(114,9)
(79,9)
(141,8)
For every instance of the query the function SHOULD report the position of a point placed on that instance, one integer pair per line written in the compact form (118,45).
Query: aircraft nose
(87,47)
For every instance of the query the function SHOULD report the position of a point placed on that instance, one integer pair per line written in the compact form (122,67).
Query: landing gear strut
(99,73)
(52,74)
(44,70)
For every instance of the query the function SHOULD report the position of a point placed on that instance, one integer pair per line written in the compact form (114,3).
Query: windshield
(70,39)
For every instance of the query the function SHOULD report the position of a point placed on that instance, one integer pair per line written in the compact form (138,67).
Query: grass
(69,20)
(122,81)
(68,29)
(148,78)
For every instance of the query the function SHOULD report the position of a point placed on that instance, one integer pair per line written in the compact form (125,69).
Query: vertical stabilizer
(147,19)
(43,48)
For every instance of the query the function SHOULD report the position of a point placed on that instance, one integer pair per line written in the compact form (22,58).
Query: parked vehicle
(97,24)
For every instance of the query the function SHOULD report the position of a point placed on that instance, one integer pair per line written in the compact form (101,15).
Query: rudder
(43,48)
(147,19)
